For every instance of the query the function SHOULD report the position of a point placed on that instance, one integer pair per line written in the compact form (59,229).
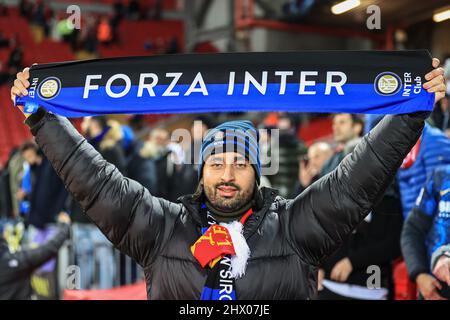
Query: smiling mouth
(227,191)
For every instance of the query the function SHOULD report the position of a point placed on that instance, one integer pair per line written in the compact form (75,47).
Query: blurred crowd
(98,29)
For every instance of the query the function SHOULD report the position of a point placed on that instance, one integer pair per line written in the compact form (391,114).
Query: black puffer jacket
(287,238)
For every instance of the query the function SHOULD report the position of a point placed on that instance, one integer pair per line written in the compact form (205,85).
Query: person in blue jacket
(431,151)
(427,229)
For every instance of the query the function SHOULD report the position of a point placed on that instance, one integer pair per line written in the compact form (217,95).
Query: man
(45,193)
(318,154)
(426,229)
(290,149)
(347,130)
(279,243)
(17,267)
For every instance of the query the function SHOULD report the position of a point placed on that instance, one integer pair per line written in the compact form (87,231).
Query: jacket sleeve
(416,228)
(325,213)
(134,221)
(28,260)
(413,245)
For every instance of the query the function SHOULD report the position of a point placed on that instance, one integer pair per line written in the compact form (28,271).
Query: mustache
(228,184)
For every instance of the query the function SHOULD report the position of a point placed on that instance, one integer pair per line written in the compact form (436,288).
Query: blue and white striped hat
(233,136)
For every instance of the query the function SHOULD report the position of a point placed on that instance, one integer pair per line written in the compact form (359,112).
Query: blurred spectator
(156,10)
(118,14)
(289,152)
(39,15)
(47,196)
(311,165)
(47,191)
(133,10)
(32,159)
(140,129)
(160,45)
(375,242)
(3,9)
(6,209)
(200,125)
(297,8)
(15,60)
(142,168)
(25,8)
(426,229)
(104,33)
(15,169)
(148,44)
(42,196)
(16,267)
(4,42)
(347,130)
(90,35)
(4,74)
(173,176)
(441,115)
(107,137)
(172,47)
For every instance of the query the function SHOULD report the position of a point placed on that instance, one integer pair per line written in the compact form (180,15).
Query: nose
(228,173)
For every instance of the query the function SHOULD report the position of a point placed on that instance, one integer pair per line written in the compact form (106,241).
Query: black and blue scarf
(378,82)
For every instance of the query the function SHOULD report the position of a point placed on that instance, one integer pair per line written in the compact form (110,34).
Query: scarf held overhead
(380,82)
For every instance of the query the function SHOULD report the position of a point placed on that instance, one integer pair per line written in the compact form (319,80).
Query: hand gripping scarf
(381,82)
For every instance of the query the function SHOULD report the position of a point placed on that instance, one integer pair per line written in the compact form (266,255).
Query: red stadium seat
(404,288)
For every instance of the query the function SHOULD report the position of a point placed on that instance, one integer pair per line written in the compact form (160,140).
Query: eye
(241,165)
(216,165)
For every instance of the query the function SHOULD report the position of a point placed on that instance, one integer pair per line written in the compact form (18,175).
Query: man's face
(160,137)
(228,181)
(30,156)
(318,157)
(344,129)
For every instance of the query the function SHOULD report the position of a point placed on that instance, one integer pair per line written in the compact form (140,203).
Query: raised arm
(327,212)
(133,220)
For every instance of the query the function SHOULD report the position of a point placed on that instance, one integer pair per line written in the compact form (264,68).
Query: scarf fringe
(239,261)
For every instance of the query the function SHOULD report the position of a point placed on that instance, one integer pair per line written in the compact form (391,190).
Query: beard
(228,204)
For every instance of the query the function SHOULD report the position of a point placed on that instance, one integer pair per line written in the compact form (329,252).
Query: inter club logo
(387,83)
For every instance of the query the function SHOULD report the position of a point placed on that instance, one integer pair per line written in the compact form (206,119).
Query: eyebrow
(217,158)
